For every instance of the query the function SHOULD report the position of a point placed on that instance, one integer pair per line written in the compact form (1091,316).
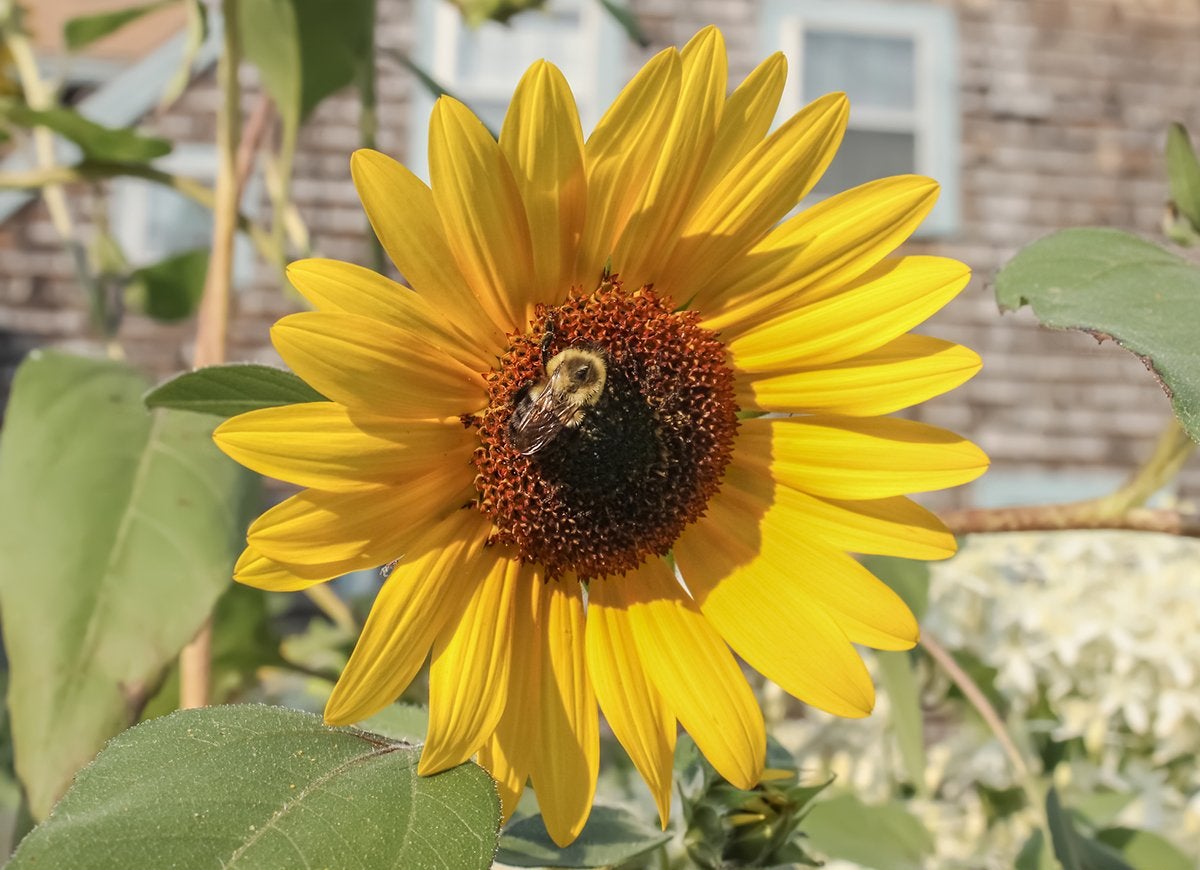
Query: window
(898,63)
(482,66)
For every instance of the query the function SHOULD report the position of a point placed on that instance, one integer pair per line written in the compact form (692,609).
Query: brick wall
(1064,109)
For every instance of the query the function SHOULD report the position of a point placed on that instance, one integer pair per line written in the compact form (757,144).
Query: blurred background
(1033,114)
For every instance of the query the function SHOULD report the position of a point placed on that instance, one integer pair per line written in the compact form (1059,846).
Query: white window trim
(438,24)
(935,117)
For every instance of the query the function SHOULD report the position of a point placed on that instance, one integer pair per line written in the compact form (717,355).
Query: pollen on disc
(642,461)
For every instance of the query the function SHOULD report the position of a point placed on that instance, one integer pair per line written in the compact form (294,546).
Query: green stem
(195,662)
(368,130)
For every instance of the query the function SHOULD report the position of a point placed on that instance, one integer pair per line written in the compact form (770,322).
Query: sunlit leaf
(231,389)
(611,836)
(1145,850)
(118,528)
(264,787)
(86,29)
(197,33)
(107,144)
(1116,285)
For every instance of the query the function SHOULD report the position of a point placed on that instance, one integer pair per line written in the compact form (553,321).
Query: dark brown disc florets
(634,467)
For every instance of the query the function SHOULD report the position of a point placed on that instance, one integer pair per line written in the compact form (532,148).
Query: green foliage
(1145,850)
(86,29)
(170,289)
(908,578)
(611,836)
(264,787)
(1183,174)
(731,827)
(628,21)
(305,50)
(231,389)
(900,682)
(197,33)
(1116,285)
(897,841)
(1073,850)
(118,528)
(98,143)
(476,12)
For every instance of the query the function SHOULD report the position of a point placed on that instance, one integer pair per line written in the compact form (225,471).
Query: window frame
(935,117)
(438,26)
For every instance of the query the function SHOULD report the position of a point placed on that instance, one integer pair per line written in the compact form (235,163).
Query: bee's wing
(536,421)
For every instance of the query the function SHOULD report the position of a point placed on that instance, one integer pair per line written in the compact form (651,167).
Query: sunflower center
(609,426)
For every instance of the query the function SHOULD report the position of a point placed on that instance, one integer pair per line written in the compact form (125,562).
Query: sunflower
(625,421)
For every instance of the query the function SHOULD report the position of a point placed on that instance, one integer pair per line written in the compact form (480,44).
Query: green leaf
(231,389)
(197,33)
(897,839)
(1183,173)
(476,12)
(264,787)
(399,722)
(900,683)
(305,50)
(1145,850)
(170,289)
(100,143)
(628,21)
(119,528)
(1116,285)
(611,836)
(1073,850)
(86,29)
(908,578)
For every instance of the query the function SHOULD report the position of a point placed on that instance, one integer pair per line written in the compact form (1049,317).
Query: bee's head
(579,374)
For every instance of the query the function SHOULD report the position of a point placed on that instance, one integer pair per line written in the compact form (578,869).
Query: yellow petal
(509,757)
(855,458)
(895,526)
(318,534)
(745,120)
(325,445)
(481,210)
(756,194)
(783,530)
(567,758)
(882,305)
(255,569)
(904,372)
(331,285)
(365,364)
(694,671)
(765,612)
(635,710)
(817,252)
(406,220)
(469,674)
(424,590)
(543,142)
(620,157)
(641,250)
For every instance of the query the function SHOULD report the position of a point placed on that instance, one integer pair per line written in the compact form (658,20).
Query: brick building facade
(1055,116)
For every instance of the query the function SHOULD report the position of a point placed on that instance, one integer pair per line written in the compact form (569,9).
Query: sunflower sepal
(229,390)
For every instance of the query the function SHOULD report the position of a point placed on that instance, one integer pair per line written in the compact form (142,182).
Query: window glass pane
(874,71)
(866,155)
(493,56)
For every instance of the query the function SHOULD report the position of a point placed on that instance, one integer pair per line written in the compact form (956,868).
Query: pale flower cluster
(1102,626)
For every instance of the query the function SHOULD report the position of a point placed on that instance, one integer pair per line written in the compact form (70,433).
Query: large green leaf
(231,389)
(105,144)
(264,787)
(118,528)
(897,840)
(611,836)
(86,29)
(1116,285)
(305,50)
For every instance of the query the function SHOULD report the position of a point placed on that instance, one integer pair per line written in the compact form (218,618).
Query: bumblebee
(574,382)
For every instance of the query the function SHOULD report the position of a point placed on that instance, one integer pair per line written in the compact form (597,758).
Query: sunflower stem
(195,661)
